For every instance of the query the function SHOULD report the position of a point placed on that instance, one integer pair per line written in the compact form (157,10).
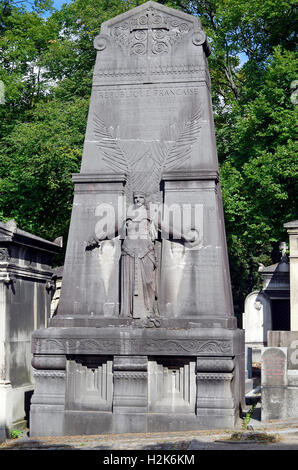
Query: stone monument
(144,338)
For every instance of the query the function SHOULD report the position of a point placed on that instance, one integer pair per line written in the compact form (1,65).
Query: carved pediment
(151,29)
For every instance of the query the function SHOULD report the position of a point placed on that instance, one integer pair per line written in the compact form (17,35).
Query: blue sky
(58,3)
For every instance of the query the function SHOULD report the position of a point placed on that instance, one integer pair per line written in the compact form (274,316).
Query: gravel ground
(191,440)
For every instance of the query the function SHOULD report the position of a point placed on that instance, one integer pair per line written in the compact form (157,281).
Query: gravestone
(274,383)
(274,367)
(285,340)
(289,340)
(256,322)
(145,338)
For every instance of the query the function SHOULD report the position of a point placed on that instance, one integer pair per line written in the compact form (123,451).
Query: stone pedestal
(94,380)
(177,362)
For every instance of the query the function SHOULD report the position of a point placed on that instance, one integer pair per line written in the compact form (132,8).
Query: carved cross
(146,29)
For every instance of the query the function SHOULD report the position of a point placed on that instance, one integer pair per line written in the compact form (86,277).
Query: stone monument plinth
(145,338)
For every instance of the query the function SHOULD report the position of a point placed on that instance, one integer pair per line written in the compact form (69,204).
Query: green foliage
(260,172)
(37,159)
(247,417)
(15,433)
(46,63)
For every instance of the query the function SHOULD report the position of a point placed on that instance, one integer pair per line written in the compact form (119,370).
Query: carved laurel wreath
(167,154)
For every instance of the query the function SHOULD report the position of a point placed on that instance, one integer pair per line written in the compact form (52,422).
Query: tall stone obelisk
(145,338)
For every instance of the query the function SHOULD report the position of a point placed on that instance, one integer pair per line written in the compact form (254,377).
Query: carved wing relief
(144,164)
(179,150)
(110,146)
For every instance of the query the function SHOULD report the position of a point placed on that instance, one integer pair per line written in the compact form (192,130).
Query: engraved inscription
(179,70)
(137,93)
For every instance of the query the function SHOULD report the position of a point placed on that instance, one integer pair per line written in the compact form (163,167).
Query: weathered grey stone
(256,322)
(150,316)
(292,229)
(284,397)
(292,397)
(25,295)
(48,403)
(172,386)
(274,367)
(274,383)
(274,403)
(214,342)
(289,340)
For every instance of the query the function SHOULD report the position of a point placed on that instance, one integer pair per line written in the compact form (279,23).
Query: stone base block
(218,418)
(279,402)
(87,422)
(47,420)
(97,381)
(292,402)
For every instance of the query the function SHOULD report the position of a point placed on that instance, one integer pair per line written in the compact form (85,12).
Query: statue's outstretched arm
(99,237)
(191,238)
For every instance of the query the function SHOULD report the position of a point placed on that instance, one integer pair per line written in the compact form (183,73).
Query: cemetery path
(287,439)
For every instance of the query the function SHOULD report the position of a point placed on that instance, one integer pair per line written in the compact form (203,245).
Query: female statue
(138,259)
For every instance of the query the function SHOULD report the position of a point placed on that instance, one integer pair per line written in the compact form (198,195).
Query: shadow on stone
(30,445)
(27,402)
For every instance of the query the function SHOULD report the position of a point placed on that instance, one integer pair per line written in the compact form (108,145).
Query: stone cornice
(123,341)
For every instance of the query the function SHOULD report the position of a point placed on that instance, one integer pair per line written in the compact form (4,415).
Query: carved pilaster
(48,400)
(214,385)
(49,387)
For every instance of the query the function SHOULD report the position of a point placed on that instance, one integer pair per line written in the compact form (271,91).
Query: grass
(248,416)
(15,433)
(254,436)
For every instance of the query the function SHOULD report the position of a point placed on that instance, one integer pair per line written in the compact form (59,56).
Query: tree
(260,173)
(37,159)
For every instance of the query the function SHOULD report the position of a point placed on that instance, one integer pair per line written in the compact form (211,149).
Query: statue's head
(139,198)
